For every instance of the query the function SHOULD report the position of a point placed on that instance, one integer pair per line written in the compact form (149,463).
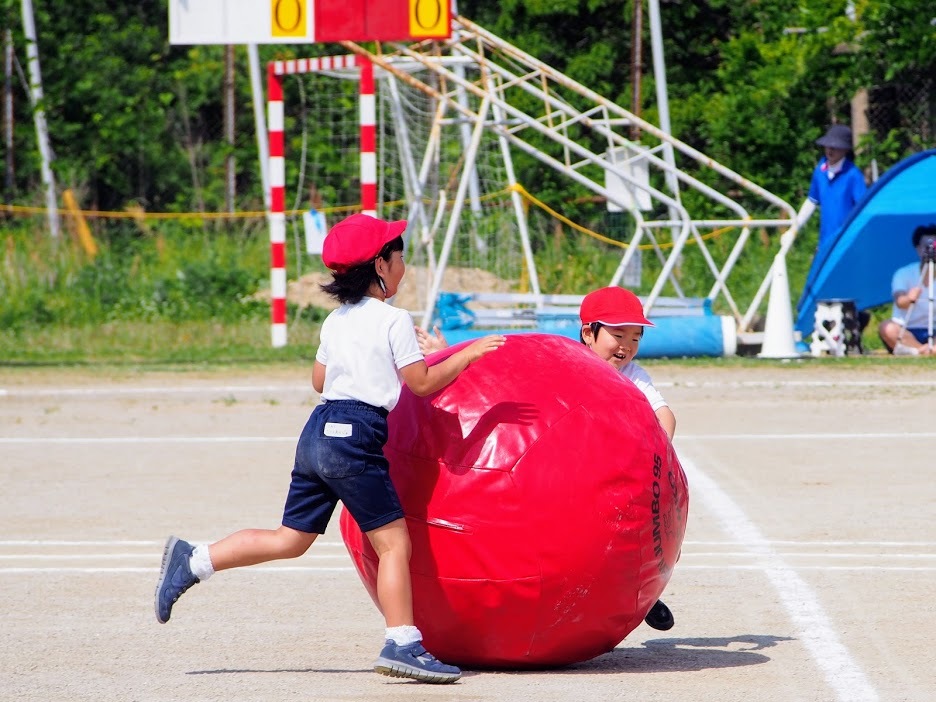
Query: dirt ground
(306,290)
(807,573)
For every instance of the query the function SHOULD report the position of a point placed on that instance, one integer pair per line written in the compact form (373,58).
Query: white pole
(522,228)
(42,130)
(470,155)
(230,164)
(662,95)
(263,146)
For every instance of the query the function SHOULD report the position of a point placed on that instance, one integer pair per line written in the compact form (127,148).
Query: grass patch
(158,342)
(186,293)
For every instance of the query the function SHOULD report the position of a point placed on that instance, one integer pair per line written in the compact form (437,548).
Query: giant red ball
(545,504)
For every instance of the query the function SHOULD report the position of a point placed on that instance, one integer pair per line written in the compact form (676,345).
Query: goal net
(422,169)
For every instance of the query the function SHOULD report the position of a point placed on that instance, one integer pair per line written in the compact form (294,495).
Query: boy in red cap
(613,323)
(367,350)
(619,313)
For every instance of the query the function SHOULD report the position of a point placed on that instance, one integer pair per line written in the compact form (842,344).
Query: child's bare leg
(394,585)
(404,655)
(889,330)
(252,546)
(894,335)
(184,565)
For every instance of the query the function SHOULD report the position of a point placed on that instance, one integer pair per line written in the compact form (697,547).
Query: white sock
(403,635)
(200,563)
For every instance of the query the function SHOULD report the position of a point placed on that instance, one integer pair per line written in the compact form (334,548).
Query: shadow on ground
(656,655)
(676,655)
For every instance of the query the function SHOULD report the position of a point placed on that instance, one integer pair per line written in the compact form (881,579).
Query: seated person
(906,333)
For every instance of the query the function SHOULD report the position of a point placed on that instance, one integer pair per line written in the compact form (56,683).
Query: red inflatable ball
(544,501)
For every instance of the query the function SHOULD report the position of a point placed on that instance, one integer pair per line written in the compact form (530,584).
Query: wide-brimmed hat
(921,231)
(358,239)
(837,137)
(613,307)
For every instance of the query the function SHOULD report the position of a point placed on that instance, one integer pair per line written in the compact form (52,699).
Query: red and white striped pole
(368,134)
(368,119)
(277,206)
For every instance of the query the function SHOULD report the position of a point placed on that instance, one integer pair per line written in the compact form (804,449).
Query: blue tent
(874,241)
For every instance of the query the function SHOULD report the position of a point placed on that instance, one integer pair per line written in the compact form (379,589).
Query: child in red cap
(619,313)
(367,350)
(613,323)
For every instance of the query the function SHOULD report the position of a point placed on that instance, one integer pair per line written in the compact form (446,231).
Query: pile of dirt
(306,291)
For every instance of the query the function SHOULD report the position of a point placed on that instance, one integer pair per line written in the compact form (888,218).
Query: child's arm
(424,380)
(667,420)
(318,377)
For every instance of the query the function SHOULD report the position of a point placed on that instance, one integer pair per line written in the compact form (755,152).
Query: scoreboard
(306,21)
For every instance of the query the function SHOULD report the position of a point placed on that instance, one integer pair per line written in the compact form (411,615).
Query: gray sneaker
(415,662)
(175,576)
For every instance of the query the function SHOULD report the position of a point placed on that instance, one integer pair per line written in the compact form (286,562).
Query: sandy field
(808,572)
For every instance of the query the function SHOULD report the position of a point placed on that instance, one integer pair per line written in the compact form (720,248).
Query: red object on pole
(382,20)
(545,504)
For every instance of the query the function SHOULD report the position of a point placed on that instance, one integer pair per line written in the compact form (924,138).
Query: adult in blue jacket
(837,185)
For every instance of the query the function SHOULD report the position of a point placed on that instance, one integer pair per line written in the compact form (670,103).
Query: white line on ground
(321,556)
(818,436)
(302,389)
(16,570)
(292,439)
(794,554)
(820,568)
(111,556)
(145,439)
(800,384)
(319,543)
(842,673)
(780,542)
(276,569)
(156,390)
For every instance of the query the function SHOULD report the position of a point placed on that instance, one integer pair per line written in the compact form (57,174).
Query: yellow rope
(142,214)
(139,214)
(595,235)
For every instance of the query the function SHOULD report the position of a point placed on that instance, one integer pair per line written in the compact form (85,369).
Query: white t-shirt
(907,277)
(363,346)
(639,377)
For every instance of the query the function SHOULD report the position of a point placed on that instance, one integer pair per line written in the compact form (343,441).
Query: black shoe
(659,617)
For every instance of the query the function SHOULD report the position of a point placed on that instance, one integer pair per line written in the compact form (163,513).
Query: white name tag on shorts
(336,429)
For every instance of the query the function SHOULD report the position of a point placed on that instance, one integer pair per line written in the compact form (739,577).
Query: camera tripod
(926,273)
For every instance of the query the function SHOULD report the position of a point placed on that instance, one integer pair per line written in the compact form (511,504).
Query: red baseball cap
(358,239)
(613,307)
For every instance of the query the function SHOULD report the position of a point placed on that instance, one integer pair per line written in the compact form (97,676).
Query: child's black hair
(595,327)
(351,286)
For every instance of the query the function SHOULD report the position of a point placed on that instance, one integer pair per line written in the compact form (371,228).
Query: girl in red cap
(613,323)
(367,350)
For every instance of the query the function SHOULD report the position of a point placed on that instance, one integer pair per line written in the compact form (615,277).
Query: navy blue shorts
(921,335)
(340,457)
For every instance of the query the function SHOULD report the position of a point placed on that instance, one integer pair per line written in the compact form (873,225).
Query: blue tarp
(672,337)
(874,241)
(700,333)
